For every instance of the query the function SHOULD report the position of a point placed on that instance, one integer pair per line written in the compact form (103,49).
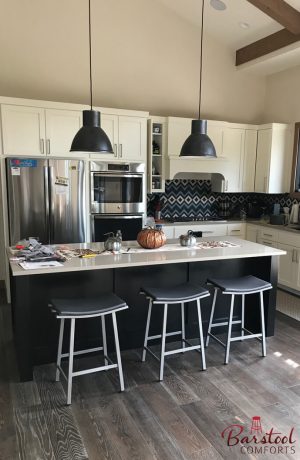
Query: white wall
(145,56)
(282,102)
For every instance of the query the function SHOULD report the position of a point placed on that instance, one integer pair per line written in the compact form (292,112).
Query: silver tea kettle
(112,243)
(188,240)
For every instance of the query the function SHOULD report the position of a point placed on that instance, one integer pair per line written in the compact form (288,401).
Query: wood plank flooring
(181,418)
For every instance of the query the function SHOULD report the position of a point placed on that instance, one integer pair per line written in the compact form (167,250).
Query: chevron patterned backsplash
(194,198)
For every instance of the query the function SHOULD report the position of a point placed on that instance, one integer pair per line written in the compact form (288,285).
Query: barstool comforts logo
(255,440)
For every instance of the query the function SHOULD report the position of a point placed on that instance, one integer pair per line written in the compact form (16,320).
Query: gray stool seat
(182,293)
(82,309)
(105,303)
(240,285)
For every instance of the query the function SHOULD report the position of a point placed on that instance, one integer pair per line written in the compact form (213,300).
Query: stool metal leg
(147,330)
(104,339)
(201,335)
(163,343)
(229,330)
(243,316)
(182,325)
(211,315)
(262,322)
(60,343)
(118,351)
(71,355)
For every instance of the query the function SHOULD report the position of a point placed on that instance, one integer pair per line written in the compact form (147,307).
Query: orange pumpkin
(151,238)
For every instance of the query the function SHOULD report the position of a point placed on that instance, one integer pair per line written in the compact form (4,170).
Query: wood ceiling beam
(281,12)
(265,46)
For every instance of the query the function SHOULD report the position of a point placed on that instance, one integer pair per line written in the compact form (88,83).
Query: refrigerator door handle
(51,204)
(46,190)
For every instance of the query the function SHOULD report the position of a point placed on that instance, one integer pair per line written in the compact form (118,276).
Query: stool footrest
(182,350)
(225,323)
(95,369)
(216,339)
(168,334)
(83,352)
(152,353)
(244,337)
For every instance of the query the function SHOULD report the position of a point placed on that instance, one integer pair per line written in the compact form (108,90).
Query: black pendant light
(198,144)
(91,137)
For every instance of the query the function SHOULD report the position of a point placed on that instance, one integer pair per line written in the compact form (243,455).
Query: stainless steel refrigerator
(46,199)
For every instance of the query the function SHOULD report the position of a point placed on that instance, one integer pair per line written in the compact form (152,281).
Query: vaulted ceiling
(227,27)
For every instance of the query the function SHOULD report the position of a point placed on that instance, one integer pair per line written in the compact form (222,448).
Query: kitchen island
(36,328)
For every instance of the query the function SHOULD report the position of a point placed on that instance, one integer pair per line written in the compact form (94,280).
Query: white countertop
(107,261)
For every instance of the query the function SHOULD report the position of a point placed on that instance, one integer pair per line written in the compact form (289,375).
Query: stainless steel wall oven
(117,194)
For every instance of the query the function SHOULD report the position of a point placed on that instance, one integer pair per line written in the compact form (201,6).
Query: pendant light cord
(90,49)
(201,58)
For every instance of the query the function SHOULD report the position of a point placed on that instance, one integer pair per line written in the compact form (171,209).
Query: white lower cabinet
(287,266)
(168,231)
(252,233)
(238,230)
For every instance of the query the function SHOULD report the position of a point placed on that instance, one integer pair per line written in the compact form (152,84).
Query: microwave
(117,188)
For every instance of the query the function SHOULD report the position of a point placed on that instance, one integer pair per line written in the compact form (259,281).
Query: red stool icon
(256,425)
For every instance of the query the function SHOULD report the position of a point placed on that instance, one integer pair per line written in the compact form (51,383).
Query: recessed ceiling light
(244,25)
(218,5)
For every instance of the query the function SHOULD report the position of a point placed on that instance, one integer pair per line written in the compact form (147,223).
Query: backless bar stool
(181,294)
(73,309)
(238,286)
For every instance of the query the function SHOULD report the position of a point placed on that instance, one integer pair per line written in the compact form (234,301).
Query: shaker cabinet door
(132,138)
(109,124)
(61,127)
(264,145)
(23,130)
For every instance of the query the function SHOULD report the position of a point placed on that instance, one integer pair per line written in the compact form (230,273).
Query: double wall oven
(117,199)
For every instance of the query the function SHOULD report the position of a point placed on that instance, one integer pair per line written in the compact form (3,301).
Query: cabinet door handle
(237,230)
(48,147)
(267,243)
(42,146)
(293,255)
(296,256)
(121,150)
(268,234)
(226,186)
(116,150)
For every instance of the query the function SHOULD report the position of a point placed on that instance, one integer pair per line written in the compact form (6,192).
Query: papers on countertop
(40,265)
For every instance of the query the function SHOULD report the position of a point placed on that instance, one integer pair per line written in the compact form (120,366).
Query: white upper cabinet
(109,124)
(233,149)
(23,130)
(180,128)
(274,159)
(178,131)
(132,138)
(32,131)
(128,136)
(249,160)
(215,132)
(61,127)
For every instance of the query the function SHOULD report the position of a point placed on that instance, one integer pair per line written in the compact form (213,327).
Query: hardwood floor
(181,418)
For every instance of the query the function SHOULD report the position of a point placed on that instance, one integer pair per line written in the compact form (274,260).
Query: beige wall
(144,57)
(283,96)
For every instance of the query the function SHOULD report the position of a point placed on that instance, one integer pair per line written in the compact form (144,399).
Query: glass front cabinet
(157,127)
